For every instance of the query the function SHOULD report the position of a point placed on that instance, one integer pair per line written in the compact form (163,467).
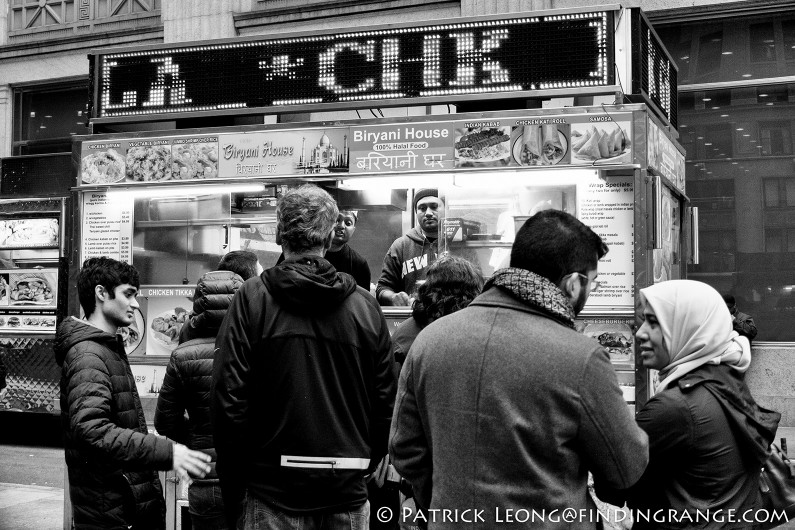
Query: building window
(736,118)
(47,116)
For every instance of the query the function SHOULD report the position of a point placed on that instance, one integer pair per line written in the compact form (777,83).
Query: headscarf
(697,329)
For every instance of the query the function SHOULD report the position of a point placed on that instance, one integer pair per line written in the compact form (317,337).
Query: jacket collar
(499,297)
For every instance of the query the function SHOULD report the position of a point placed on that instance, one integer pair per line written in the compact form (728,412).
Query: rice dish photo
(145,164)
(102,167)
(194,161)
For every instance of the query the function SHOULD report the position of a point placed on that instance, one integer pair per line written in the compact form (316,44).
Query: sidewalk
(31,488)
(24,507)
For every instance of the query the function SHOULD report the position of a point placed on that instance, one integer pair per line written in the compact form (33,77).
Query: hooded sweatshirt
(303,387)
(112,460)
(406,260)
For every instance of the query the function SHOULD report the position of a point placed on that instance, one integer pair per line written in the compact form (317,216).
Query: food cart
(173,201)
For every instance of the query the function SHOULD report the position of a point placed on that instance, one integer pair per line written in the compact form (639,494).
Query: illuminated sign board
(442,62)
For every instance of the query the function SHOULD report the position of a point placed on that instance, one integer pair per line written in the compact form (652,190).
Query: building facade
(736,114)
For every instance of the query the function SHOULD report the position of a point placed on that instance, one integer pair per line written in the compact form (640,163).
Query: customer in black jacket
(303,382)
(111,458)
(188,380)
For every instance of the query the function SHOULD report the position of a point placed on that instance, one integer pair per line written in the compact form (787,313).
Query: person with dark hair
(242,262)
(188,382)
(409,256)
(303,381)
(451,283)
(504,405)
(742,323)
(341,255)
(111,458)
(214,293)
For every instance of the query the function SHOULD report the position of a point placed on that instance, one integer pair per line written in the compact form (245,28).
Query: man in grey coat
(503,409)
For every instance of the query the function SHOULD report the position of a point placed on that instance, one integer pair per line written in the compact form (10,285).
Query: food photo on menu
(541,145)
(29,233)
(33,288)
(4,291)
(482,146)
(102,167)
(146,163)
(605,142)
(165,317)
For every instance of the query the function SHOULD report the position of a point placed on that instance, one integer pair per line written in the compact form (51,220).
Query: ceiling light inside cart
(397,182)
(534,177)
(187,191)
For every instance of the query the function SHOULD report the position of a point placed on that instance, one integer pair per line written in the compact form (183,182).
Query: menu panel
(107,226)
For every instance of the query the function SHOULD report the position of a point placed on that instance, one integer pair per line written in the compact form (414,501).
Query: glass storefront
(736,116)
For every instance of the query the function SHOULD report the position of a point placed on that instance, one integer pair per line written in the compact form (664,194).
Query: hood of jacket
(754,426)
(418,236)
(213,296)
(308,285)
(73,331)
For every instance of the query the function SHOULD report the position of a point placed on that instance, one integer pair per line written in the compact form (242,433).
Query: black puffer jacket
(188,379)
(112,460)
(303,382)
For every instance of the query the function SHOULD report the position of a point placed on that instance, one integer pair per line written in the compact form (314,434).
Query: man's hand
(189,463)
(400,299)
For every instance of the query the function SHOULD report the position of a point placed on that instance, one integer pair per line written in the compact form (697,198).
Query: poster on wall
(162,312)
(148,378)
(608,207)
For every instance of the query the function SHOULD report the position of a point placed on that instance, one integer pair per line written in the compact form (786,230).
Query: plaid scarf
(535,291)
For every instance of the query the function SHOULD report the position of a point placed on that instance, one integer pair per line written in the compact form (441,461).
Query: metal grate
(36,175)
(33,375)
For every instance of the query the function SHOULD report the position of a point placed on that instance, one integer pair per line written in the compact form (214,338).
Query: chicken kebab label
(158,322)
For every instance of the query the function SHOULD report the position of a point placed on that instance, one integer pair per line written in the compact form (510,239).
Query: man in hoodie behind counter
(111,457)
(303,381)
(408,257)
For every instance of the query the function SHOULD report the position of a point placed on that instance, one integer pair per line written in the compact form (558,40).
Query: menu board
(607,206)
(664,157)
(40,232)
(107,226)
(596,137)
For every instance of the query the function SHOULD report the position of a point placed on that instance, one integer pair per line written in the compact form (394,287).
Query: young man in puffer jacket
(188,382)
(111,457)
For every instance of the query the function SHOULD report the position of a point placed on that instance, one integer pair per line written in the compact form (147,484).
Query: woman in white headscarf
(707,435)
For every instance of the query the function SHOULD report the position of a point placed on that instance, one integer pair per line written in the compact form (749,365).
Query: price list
(607,206)
(107,226)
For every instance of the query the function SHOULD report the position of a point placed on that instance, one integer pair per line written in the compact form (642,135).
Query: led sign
(446,61)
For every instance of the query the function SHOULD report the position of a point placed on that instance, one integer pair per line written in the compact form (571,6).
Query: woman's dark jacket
(188,379)
(707,440)
(111,458)
(304,370)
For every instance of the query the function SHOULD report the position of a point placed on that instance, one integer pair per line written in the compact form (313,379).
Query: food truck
(592,133)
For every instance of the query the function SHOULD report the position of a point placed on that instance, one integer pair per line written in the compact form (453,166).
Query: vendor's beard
(580,302)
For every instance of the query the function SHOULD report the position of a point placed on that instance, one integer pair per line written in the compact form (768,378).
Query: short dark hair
(729,299)
(553,243)
(451,283)
(305,218)
(241,262)
(104,271)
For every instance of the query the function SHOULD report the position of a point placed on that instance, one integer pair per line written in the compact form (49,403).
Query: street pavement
(31,488)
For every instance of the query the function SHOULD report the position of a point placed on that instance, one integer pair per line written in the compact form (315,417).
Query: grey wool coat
(502,407)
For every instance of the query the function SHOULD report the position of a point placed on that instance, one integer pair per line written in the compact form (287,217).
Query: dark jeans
(206,506)
(263,516)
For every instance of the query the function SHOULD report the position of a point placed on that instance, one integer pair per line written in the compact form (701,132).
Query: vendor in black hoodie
(409,255)
(303,385)
(111,457)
